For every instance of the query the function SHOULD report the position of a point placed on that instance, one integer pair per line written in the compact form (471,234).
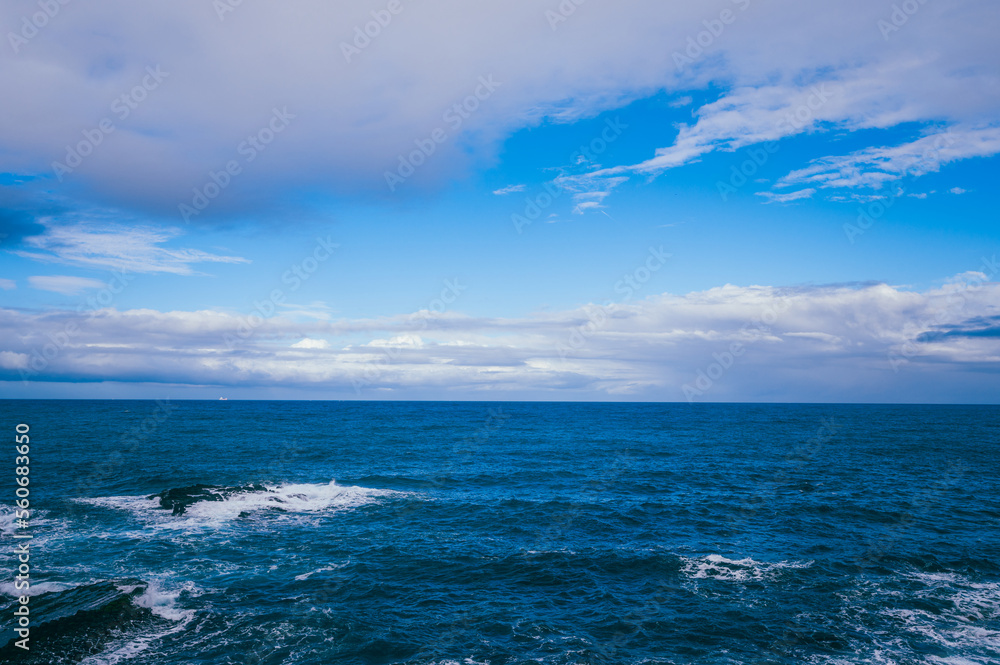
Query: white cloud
(136,249)
(874,167)
(10,360)
(314,311)
(64,284)
(311,344)
(406,341)
(790,196)
(509,189)
(957,190)
(7,284)
(834,342)
(589,189)
(354,118)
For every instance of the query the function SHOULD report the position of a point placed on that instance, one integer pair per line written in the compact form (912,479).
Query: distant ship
(223,398)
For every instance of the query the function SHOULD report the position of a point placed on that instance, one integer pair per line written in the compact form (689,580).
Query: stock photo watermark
(296,275)
(903,353)
(128,443)
(364,35)
(714,27)
(599,315)
(535,205)
(22,551)
(917,165)
(40,357)
(249,148)
(32,24)
(122,107)
(901,14)
(722,361)
(795,120)
(388,354)
(562,13)
(454,117)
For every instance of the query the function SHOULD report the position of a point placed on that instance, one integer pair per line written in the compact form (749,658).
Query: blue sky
(580,228)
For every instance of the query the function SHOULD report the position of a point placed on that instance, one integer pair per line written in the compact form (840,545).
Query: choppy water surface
(324,532)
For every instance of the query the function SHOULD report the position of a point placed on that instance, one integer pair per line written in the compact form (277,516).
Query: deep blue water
(360,532)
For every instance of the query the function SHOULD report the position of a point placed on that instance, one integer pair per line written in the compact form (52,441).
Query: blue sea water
(473,533)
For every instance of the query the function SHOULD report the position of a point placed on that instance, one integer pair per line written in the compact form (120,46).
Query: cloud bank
(860,342)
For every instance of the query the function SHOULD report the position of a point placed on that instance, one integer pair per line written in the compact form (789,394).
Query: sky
(726,200)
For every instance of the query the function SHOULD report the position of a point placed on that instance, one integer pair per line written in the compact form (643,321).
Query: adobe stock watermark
(454,117)
(42,356)
(363,35)
(714,27)
(900,15)
(296,275)
(373,370)
(535,205)
(122,108)
(248,149)
(562,13)
(794,121)
(131,441)
(926,161)
(598,315)
(903,353)
(31,25)
(223,7)
(722,362)
(739,176)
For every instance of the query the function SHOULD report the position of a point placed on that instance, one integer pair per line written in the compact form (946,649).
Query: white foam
(305,576)
(36,518)
(954,627)
(8,524)
(36,588)
(290,498)
(129,650)
(163,603)
(718,567)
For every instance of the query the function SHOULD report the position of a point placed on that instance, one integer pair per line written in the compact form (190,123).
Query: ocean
(257,532)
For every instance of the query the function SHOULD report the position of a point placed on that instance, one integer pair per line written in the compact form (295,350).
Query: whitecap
(718,567)
(36,588)
(296,498)
(305,576)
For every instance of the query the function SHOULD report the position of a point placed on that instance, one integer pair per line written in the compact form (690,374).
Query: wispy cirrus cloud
(874,167)
(869,96)
(138,249)
(509,189)
(64,284)
(589,190)
(790,196)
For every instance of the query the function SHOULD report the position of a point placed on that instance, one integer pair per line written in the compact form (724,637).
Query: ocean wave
(718,567)
(36,589)
(161,603)
(324,569)
(962,607)
(209,505)
(75,623)
(928,617)
(8,519)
